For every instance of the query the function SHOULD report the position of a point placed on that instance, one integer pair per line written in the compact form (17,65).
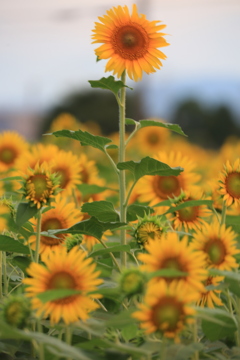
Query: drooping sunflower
(230,183)
(130,42)
(211,297)
(40,185)
(12,146)
(62,216)
(218,244)
(168,310)
(68,168)
(192,217)
(64,270)
(171,253)
(153,189)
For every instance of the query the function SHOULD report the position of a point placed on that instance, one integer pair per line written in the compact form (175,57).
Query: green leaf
(129,332)
(149,166)
(233,221)
(9,244)
(190,203)
(51,295)
(108,84)
(135,210)
(131,122)
(183,352)
(85,138)
(22,262)
(227,274)
(116,248)
(102,210)
(25,212)
(217,324)
(89,189)
(112,146)
(173,127)
(11,178)
(92,227)
(169,273)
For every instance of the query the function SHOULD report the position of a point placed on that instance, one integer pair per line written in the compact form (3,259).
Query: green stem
(163,349)
(5,280)
(41,346)
(195,340)
(121,158)
(132,134)
(112,162)
(224,208)
(112,256)
(1,291)
(68,337)
(216,214)
(129,194)
(38,236)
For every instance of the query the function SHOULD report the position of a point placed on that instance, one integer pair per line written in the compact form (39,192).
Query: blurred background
(47,59)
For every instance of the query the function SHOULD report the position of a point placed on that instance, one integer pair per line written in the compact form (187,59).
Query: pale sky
(46,45)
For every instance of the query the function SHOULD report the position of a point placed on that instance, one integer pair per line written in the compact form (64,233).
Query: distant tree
(204,126)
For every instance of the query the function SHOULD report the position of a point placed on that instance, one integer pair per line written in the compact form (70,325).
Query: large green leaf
(92,227)
(55,346)
(135,210)
(85,138)
(173,127)
(102,210)
(22,262)
(89,189)
(149,166)
(51,295)
(9,244)
(190,203)
(108,84)
(183,352)
(25,212)
(217,323)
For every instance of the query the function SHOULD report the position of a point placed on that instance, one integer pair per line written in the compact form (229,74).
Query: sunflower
(62,216)
(171,253)
(168,309)
(192,217)
(153,189)
(147,229)
(130,42)
(218,244)
(40,185)
(151,138)
(64,270)
(68,168)
(230,183)
(210,297)
(12,146)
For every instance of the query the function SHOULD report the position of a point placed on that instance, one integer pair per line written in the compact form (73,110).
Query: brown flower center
(216,251)
(167,314)
(166,186)
(62,280)
(130,41)
(52,224)
(173,263)
(232,184)
(153,139)
(188,214)
(8,155)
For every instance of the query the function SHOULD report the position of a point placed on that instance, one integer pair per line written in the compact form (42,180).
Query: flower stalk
(38,235)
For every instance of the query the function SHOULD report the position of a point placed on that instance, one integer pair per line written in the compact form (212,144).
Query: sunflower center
(233,184)
(62,280)
(167,314)
(130,41)
(153,139)
(172,263)
(52,224)
(63,177)
(39,182)
(166,186)
(7,155)
(188,214)
(216,251)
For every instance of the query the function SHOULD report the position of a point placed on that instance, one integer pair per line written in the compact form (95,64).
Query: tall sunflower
(153,189)
(130,42)
(168,309)
(62,216)
(230,183)
(12,146)
(64,270)
(218,243)
(171,253)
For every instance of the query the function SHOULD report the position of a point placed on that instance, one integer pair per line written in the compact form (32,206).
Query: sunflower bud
(73,240)
(132,282)
(147,229)
(16,311)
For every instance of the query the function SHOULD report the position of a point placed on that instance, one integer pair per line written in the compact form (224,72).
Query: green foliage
(7,243)
(148,166)
(136,210)
(102,210)
(25,212)
(146,122)
(108,84)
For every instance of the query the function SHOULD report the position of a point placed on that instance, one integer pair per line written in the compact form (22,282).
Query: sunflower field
(123,247)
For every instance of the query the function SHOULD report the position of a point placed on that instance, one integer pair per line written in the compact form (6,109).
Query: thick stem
(38,236)
(121,158)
